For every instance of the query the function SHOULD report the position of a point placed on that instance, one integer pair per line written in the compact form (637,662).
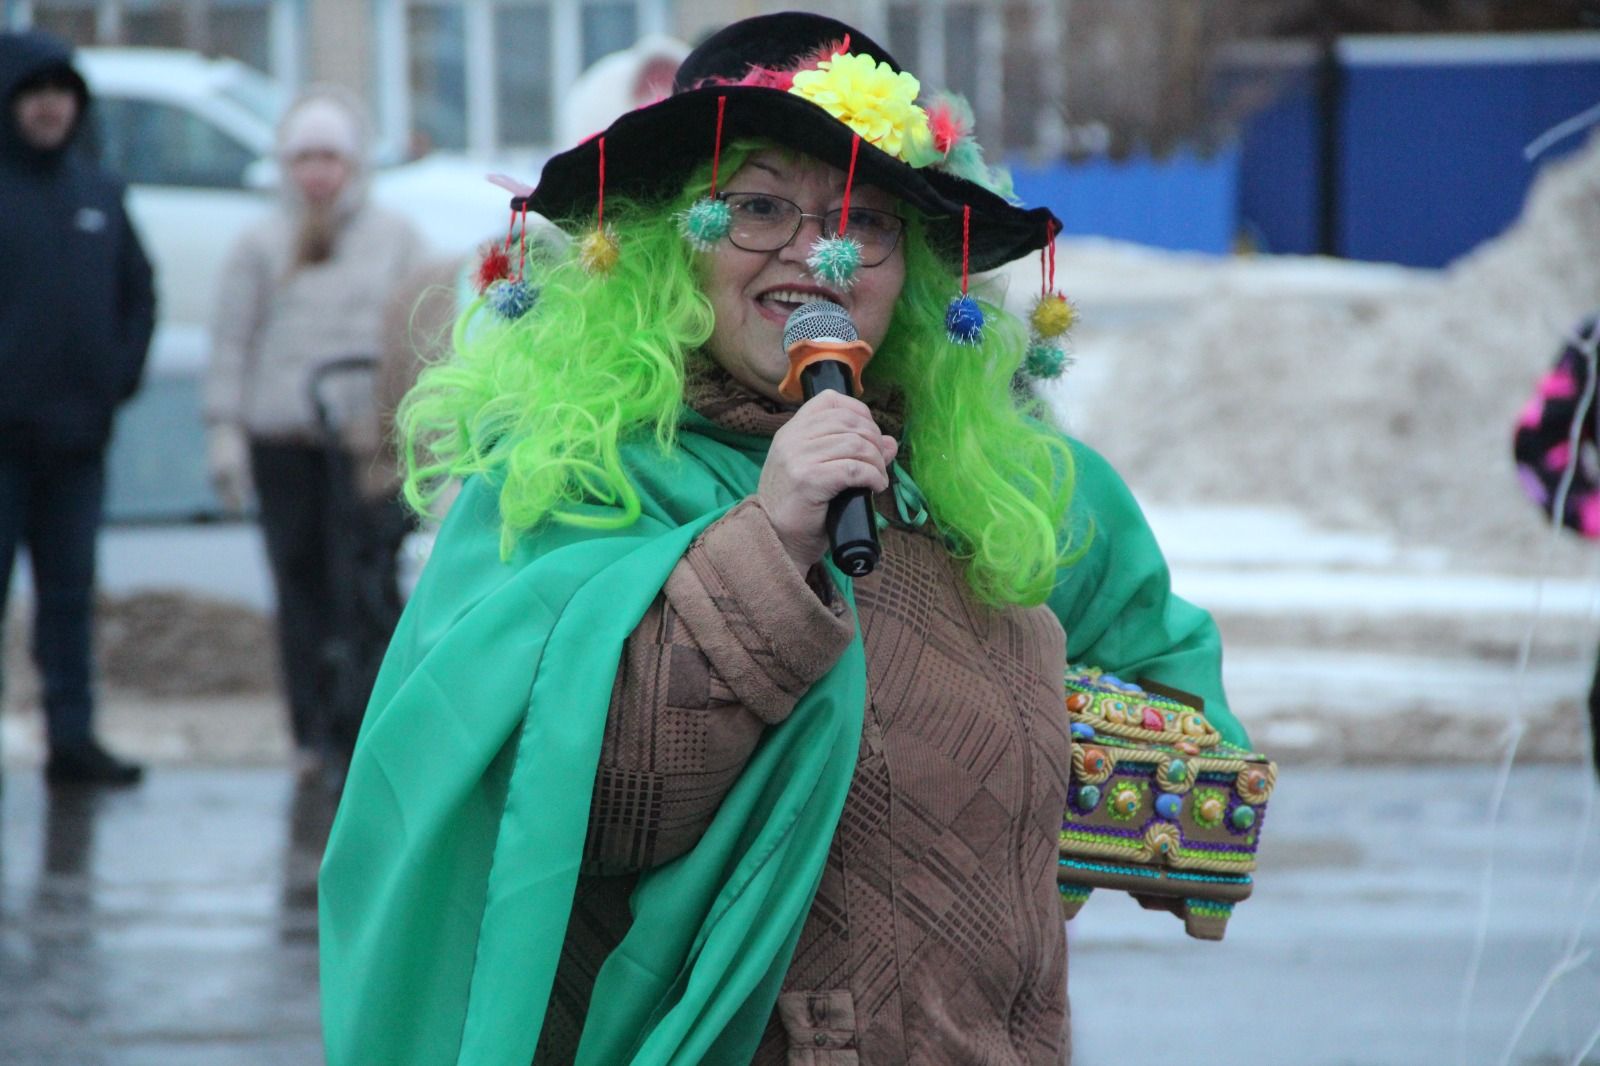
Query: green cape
(451,868)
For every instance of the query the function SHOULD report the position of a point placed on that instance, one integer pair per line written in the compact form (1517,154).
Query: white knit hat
(322,123)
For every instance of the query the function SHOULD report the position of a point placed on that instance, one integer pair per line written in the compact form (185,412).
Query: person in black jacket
(77,309)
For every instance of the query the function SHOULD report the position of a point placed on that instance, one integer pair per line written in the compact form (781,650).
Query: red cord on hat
(849,179)
(522,241)
(1047,254)
(716,153)
(966,234)
(1044,253)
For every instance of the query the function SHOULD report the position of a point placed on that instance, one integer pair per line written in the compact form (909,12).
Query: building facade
(485,76)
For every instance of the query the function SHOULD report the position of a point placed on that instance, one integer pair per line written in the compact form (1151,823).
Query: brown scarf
(712,392)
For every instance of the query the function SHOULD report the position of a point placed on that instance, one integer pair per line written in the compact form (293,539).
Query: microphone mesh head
(819,320)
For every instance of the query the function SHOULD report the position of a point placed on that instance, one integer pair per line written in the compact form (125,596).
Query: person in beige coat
(307,285)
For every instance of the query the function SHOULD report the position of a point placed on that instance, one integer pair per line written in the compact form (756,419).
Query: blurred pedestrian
(77,308)
(304,287)
(1558,461)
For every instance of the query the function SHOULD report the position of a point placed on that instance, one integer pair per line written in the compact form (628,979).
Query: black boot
(87,763)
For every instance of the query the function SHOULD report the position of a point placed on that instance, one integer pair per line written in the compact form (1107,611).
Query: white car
(193,138)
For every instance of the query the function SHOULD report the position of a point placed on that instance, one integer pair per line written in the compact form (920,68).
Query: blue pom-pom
(1044,361)
(705,223)
(963,320)
(835,260)
(511,299)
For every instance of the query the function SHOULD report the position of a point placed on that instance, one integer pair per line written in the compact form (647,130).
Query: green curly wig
(541,404)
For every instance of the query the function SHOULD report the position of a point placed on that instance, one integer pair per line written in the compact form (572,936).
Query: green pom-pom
(1044,361)
(835,260)
(705,223)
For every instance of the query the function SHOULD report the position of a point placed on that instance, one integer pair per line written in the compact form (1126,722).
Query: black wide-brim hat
(651,152)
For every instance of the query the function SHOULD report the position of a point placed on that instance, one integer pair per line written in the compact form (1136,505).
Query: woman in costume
(646,778)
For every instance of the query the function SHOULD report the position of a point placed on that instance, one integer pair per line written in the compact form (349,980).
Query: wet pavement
(169,925)
(174,925)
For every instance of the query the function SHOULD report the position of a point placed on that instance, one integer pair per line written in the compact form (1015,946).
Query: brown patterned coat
(936,935)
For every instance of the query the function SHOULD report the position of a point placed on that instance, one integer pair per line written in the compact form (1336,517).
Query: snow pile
(1366,398)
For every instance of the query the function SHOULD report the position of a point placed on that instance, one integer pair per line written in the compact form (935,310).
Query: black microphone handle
(852,526)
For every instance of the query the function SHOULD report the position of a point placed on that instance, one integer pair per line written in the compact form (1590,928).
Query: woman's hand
(830,445)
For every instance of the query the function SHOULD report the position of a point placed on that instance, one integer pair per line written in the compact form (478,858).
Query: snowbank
(1365,397)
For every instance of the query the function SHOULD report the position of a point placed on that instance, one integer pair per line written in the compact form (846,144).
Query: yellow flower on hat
(872,99)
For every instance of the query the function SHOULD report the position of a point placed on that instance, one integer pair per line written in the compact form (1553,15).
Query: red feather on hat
(948,124)
(783,80)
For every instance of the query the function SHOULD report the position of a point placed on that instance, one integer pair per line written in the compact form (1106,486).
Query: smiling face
(753,293)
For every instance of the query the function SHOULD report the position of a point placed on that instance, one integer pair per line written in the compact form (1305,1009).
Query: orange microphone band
(804,352)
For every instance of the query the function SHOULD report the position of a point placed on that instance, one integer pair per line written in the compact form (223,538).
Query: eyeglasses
(762,222)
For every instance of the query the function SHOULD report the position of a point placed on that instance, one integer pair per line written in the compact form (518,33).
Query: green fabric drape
(450,872)
(1117,604)
(453,860)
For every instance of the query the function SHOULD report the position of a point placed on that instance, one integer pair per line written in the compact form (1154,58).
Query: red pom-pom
(495,266)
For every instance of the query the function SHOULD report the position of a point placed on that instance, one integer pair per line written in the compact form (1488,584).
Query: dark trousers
(292,493)
(51,503)
(333,564)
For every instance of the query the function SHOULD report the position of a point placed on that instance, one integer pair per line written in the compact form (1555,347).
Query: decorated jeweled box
(1159,805)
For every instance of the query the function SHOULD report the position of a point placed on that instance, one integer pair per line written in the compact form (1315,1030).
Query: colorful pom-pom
(705,223)
(494,266)
(963,320)
(1052,316)
(835,260)
(511,299)
(598,252)
(1044,361)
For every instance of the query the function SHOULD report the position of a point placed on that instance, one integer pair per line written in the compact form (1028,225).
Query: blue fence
(1185,202)
(1429,133)
(1430,137)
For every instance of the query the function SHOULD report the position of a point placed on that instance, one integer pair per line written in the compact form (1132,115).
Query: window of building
(71,19)
(256,32)
(522,52)
(524,103)
(241,29)
(607,28)
(436,47)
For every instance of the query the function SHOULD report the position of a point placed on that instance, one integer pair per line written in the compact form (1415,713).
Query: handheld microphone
(826,353)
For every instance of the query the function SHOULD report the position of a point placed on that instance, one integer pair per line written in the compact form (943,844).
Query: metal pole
(989,93)
(1330,107)
(930,44)
(196,26)
(564,50)
(483,119)
(284,42)
(108,27)
(1054,17)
